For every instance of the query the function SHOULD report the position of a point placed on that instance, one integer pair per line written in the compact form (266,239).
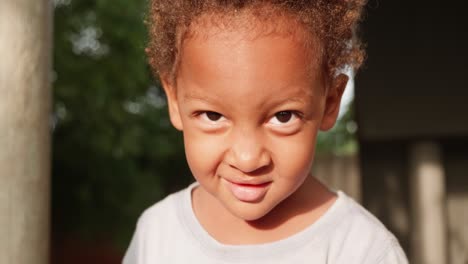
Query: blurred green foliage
(342,138)
(114,151)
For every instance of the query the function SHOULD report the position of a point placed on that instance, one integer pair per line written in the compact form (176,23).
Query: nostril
(262,170)
(257,171)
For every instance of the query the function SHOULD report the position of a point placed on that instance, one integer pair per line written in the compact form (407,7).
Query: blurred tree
(341,139)
(114,152)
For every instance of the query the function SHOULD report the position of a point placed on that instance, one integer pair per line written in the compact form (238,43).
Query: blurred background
(400,147)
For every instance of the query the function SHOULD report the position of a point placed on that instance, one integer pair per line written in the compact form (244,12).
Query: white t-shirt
(169,232)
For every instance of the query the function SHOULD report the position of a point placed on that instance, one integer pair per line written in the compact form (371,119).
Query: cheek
(203,152)
(294,157)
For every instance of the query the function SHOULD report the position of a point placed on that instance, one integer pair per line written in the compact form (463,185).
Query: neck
(294,214)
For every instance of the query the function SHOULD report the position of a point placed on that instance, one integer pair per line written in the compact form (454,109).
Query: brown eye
(284,116)
(213,116)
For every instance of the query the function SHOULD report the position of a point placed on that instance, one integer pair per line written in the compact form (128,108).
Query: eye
(283,117)
(211,116)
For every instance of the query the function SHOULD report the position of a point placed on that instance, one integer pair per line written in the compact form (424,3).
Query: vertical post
(427,183)
(25,98)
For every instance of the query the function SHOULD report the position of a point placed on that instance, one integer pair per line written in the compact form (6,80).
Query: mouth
(248,192)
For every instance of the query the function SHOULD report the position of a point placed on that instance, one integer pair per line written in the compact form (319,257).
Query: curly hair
(333,22)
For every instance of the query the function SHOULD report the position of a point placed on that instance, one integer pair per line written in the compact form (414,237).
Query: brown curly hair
(333,22)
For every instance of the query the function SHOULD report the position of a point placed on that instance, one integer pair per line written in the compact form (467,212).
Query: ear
(172,102)
(333,101)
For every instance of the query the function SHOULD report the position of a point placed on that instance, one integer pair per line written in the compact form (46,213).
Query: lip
(247,191)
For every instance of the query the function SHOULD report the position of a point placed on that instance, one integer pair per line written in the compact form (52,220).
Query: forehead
(283,51)
(251,24)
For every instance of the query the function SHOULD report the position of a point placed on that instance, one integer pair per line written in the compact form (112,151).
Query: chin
(250,212)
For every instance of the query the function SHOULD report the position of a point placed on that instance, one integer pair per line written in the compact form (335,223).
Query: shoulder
(363,238)
(157,210)
(155,225)
(162,212)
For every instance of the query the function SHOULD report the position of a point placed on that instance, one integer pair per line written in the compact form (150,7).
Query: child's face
(250,110)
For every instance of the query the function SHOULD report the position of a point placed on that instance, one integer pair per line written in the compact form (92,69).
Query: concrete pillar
(25,99)
(428,204)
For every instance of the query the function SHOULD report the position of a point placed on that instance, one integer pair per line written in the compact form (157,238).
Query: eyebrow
(293,97)
(199,97)
(296,99)
(195,96)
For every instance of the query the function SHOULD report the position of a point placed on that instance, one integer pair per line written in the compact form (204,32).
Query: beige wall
(25,67)
(343,173)
(339,173)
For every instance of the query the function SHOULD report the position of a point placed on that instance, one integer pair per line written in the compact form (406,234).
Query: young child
(250,84)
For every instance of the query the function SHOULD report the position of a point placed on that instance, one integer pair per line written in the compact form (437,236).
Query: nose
(247,152)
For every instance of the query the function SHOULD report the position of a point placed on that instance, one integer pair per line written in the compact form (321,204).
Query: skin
(250,109)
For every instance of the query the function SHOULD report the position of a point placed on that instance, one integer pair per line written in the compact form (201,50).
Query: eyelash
(294,114)
(208,113)
(204,115)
